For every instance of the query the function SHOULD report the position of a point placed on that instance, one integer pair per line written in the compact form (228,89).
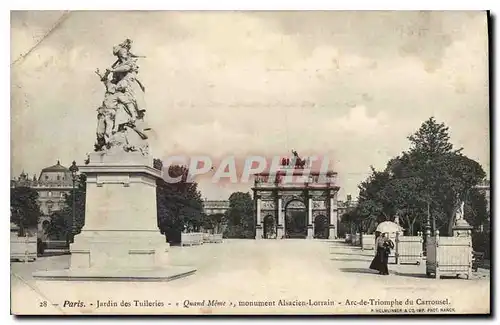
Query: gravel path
(248,276)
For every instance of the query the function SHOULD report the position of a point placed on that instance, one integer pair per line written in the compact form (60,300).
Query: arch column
(281,219)
(258,226)
(310,224)
(333,216)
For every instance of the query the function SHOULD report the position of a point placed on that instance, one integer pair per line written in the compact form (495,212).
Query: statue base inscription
(120,239)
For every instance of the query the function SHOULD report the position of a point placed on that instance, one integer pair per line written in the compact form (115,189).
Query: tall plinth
(120,239)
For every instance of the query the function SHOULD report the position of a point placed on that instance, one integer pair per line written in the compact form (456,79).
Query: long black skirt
(380,261)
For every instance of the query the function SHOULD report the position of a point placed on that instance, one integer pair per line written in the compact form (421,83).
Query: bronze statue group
(383,246)
(120,117)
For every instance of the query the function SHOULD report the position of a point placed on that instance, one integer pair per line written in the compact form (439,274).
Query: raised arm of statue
(101,76)
(132,55)
(126,66)
(105,80)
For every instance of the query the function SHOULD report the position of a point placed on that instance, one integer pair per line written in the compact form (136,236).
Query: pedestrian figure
(381,259)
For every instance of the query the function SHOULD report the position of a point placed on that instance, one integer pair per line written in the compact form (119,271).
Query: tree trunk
(361,234)
(407,219)
(412,224)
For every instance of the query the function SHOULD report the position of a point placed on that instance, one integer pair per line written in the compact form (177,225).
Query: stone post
(396,255)
(436,236)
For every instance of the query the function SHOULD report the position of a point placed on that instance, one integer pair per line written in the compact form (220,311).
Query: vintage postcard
(250,163)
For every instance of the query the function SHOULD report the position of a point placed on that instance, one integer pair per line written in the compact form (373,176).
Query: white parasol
(389,227)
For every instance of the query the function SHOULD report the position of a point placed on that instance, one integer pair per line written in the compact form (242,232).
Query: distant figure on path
(381,259)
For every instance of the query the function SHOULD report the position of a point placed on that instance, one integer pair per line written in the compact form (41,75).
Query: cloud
(359,122)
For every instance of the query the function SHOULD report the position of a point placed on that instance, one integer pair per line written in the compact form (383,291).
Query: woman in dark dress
(381,259)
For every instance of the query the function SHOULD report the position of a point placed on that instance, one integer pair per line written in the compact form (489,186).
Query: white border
(182,5)
(253,5)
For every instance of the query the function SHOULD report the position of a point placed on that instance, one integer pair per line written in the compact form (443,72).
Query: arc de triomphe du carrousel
(296,202)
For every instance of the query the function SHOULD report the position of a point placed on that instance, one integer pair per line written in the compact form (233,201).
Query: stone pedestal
(280,232)
(121,229)
(332,232)
(259,232)
(461,228)
(310,232)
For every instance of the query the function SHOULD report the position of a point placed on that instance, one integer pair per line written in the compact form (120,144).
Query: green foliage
(432,177)
(61,225)
(481,242)
(240,216)
(475,209)
(213,222)
(24,207)
(431,139)
(179,205)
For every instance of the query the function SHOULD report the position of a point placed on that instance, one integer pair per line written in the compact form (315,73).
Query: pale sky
(350,85)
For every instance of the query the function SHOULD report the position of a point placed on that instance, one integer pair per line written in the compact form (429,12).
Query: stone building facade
(216,208)
(211,207)
(51,185)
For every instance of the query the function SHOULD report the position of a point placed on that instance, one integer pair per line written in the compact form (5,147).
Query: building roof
(55,168)
(211,204)
(44,180)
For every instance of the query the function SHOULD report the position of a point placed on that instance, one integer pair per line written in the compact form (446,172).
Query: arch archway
(270,227)
(321,229)
(295,219)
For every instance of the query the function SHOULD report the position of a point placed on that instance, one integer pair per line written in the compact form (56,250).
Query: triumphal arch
(296,202)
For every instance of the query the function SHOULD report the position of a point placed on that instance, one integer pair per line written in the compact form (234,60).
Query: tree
(80,194)
(240,216)
(373,201)
(476,213)
(179,205)
(61,224)
(430,178)
(431,139)
(25,211)
(213,222)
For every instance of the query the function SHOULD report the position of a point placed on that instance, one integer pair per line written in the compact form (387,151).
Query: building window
(50,206)
(58,177)
(46,177)
(50,193)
